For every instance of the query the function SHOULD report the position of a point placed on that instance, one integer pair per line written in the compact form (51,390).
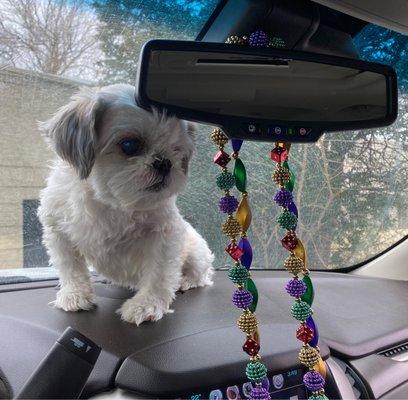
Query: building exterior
(26,97)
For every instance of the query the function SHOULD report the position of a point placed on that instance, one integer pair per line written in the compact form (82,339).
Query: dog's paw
(74,299)
(188,282)
(143,308)
(191,283)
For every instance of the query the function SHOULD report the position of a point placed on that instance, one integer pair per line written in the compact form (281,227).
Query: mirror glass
(265,87)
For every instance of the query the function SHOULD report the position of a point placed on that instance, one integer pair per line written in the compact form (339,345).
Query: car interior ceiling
(363,320)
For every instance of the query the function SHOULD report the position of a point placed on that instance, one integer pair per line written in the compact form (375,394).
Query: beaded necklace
(301,289)
(245,296)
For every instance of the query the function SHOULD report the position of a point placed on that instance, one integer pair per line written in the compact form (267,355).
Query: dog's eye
(130,147)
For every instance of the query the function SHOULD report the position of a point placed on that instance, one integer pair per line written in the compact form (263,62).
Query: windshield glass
(351,187)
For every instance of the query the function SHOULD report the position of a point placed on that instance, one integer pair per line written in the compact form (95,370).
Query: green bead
(287,220)
(225,180)
(251,287)
(256,371)
(300,310)
(309,294)
(238,275)
(240,175)
(291,183)
(318,397)
(277,42)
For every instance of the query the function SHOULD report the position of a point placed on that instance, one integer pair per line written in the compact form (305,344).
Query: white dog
(110,203)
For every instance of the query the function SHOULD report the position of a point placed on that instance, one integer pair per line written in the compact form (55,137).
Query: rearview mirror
(265,94)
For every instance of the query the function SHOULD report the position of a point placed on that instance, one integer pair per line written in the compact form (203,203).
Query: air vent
(397,353)
(359,390)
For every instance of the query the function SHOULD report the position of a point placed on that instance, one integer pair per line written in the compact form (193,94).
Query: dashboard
(196,352)
(286,385)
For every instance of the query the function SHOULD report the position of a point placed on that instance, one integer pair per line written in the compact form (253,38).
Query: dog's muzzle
(162,166)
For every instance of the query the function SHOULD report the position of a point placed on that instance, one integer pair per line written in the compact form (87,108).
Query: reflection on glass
(264,87)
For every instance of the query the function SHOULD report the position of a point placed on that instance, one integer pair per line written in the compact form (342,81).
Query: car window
(351,187)
(48,51)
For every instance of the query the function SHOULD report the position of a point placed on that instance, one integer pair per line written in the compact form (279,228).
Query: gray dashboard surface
(356,316)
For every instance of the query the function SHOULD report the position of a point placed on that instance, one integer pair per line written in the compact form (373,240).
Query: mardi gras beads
(295,264)
(301,289)
(257,39)
(244,217)
(255,370)
(245,296)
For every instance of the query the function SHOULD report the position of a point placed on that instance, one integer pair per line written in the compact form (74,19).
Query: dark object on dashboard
(64,371)
(265,94)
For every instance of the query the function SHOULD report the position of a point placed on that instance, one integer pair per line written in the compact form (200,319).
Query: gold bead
(309,356)
(284,145)
(231,227)
(219,137)
(293,264)
(281,175)
(255,358)
(320,367)
(235,40)
(247,322)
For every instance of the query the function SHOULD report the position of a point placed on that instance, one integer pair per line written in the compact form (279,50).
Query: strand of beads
(244,217)
(244,296)
(257,39)
(295,264)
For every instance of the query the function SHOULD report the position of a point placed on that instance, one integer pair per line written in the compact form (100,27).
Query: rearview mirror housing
(265,94)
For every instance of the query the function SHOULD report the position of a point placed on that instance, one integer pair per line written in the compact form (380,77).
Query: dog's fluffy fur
(113,212)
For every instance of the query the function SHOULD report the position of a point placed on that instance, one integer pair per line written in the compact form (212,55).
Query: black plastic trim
(217,10)
(394,350)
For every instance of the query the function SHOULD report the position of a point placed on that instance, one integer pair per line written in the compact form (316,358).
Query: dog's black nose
(162,165)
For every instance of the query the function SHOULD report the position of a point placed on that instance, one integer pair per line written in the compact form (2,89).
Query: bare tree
(52,36)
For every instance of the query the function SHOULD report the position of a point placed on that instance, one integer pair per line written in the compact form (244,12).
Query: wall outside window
(26,97)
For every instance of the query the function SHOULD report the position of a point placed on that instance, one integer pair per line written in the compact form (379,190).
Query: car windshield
(351,187)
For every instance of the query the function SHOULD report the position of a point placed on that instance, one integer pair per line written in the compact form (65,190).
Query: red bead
(304,333)
(279,154)
(289,241)
(251,347)
(222,158)
(234,251)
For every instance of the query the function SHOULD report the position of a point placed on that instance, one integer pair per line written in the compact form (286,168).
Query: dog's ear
(71,132)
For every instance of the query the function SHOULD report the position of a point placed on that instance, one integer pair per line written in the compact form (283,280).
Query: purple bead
(259,393)
(313,381)
(311,324)
(258,39)
(296,288)
(242,298)
(246,258)
(265,383)
(283,198)
(236,144)
(228,204)
(292,208)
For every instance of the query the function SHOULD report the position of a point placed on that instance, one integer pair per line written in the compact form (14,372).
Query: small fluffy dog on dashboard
(110,203)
